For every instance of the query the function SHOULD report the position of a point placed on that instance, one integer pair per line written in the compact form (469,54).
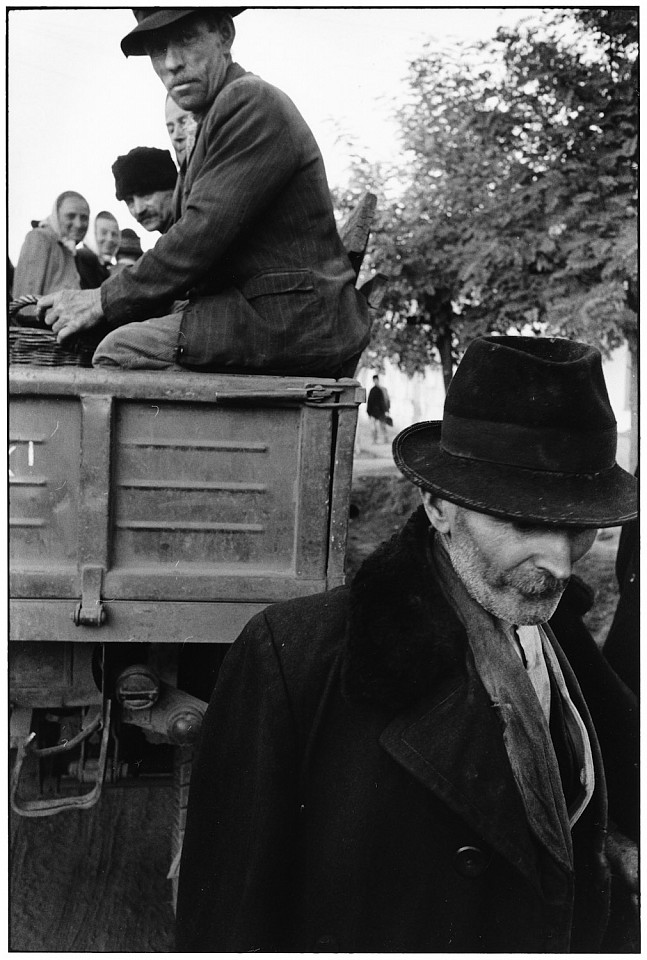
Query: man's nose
(173,59)
(555,553)
(139,205)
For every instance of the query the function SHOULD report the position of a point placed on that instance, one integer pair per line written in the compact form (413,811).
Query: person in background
(107,237)
(253,249)
(130,250)
(145,179)
(47,261)
(93,267)
(415,763)
(181,126)
(378,405)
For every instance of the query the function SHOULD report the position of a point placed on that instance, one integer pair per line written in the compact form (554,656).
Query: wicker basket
(31,342)
(34,345)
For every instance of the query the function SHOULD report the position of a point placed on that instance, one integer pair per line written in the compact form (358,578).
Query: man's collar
(233,72)
(402,634)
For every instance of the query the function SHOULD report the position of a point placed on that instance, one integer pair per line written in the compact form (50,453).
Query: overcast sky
(76,103)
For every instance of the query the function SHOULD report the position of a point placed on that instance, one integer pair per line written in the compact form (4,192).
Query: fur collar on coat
(403,636)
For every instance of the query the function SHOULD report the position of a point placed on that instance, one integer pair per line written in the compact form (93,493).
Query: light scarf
(526,735)
(53,223)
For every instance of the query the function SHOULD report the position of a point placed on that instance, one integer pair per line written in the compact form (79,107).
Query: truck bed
(171,506)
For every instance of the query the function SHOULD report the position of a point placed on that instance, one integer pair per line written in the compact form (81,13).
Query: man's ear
(227,32)
(440,512)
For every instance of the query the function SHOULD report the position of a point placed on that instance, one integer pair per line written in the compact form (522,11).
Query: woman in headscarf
(47,261)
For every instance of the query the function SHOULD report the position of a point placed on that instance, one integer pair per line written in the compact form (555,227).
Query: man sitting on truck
(254,244)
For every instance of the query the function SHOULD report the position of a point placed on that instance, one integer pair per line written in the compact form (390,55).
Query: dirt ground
(94,881)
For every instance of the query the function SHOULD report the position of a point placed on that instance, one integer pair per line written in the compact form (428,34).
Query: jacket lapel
(451,743)
(198,151)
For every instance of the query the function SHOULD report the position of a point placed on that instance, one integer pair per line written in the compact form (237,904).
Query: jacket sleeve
(250,155)
(31,268)
(234,888)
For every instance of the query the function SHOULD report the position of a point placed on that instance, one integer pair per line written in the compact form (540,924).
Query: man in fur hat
(145,179)
(412,764)
(253,246)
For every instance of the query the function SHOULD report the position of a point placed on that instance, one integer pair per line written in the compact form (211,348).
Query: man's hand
(71,311)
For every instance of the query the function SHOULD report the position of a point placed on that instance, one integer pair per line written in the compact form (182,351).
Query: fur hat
(527,434)
(143,170)
(150,19)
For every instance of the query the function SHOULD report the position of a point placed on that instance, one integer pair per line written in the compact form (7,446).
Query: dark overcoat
(254,246)
(353,792)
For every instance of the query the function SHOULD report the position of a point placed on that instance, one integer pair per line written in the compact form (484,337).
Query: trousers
(152,345)
(144,345)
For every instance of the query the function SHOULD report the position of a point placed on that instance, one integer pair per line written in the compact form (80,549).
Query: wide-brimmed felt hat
(150,19)
(527,434)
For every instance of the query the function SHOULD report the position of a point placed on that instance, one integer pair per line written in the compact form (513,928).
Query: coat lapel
(199,149)
(407,649)
(451,743)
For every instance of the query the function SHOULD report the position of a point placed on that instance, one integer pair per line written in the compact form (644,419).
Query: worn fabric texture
(254,245)
(353,793)
(155,343)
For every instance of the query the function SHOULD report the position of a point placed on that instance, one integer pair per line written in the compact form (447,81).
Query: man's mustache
(540,584)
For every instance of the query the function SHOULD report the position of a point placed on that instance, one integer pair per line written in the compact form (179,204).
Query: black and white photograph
(322,500)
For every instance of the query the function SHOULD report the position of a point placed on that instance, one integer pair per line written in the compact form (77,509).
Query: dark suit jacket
(254,246)
(91,271)
(353,793)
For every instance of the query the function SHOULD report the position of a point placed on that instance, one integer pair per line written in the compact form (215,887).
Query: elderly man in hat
(410,764)
(254,247)
(145,179)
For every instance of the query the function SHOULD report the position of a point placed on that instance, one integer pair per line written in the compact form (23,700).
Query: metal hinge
(90,612)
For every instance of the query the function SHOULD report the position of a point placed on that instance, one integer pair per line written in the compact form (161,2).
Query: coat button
(471,861)
(326,944)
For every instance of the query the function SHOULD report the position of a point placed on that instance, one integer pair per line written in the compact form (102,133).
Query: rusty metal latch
(317,393)
(329,396)
(90,612)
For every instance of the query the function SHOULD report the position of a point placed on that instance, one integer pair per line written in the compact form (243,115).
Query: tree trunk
(438,310)
(444,345)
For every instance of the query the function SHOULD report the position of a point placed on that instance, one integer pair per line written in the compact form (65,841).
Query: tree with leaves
(516,206)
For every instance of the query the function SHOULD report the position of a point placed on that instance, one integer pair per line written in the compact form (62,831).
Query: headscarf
(54,224)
